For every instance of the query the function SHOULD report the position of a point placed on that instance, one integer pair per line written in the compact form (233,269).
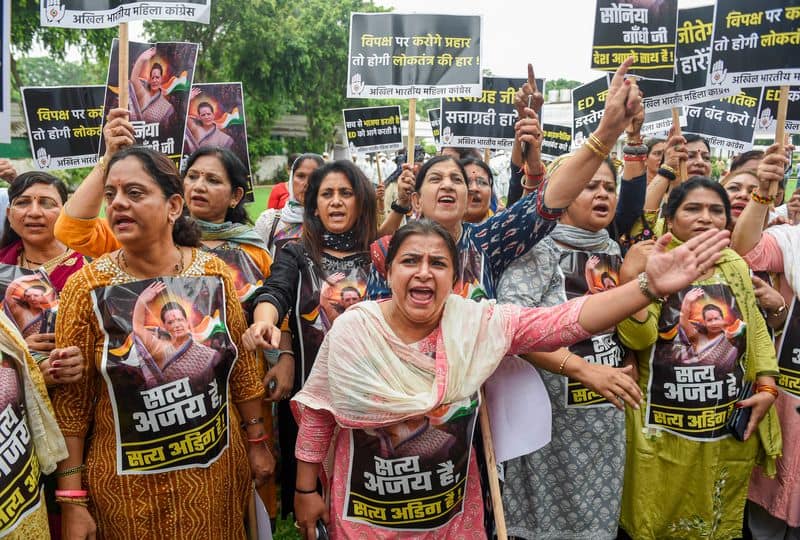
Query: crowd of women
(167,362)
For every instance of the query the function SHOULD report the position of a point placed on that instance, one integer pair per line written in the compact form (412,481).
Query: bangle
(778,312)
(70,471)
(72,500)
(564,362)
(596,151)
(635,150)
(396,207)
(599,144)
(762,200)
(305,491)
(257,440)
(667,172)
(102,163)
(287,351)
(633,141)
(768,388)
(634,157)
(644,287)
(71,493)
(252,422)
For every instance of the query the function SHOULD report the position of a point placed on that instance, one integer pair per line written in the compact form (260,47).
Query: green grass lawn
(261,195)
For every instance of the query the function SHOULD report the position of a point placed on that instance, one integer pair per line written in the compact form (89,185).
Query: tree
(290,56)
(26,31)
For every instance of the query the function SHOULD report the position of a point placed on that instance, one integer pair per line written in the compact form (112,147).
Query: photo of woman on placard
(30,302)
(169,352)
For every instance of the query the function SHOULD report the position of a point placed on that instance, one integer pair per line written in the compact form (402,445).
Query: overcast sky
(555,36)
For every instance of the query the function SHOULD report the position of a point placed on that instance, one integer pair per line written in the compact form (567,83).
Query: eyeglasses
(479,182)
(24,202)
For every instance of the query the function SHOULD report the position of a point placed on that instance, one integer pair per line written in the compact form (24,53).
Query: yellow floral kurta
(191,503)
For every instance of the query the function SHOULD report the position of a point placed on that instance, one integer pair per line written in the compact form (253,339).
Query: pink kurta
(527,329)
(780,496)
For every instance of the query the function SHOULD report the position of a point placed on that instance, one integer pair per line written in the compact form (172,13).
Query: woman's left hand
(671,271)
(262,463)
(64,366)
(760,403)
(767,297)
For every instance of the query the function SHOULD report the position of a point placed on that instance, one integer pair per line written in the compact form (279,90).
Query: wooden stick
(123,65)
(252,519)
(676,123)
(381,210)
(487,153)
(780,128)
(412,126)
(491,466)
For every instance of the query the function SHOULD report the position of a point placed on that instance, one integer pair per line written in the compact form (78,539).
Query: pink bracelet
(72,493)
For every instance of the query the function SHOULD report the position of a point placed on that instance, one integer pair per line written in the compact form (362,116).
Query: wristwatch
(400,209)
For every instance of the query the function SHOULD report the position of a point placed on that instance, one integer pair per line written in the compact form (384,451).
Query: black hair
(739,161)
(350,288)
(424,227)
(651,142)
(464,152)
(480,163)
(186,231)
(157,66)
(430,163)
(20,185)
(205,104)
(170,306)
(365,227)
(237,177)
(702,328)
(692,137)
(679,193)
(300,158)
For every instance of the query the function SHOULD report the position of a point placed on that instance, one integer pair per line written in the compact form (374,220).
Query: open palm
(671,271)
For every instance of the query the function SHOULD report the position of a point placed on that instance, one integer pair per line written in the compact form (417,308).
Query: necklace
(122,262)
(25,262)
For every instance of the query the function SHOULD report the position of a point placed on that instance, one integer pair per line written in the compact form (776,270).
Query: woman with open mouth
(339,222)
(390,406)
(480,190)
(685,473)
(588,392)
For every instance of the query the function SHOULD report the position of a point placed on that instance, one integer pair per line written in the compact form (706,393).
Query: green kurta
(676,487)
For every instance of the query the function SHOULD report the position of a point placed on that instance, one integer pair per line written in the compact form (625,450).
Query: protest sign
(728,123)
(64,124)
(639,28)
(5,72)
(691,68)
(216,118)
(434,117)
(373,129)
(484,122)
(588,104)
(755,43)
(159,84)
(556,140)
(769,108)
(414,56)
(108,13)
(659,122)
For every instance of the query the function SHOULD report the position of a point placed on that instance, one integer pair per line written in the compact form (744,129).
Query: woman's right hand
(623,104)
(675,152)
(261,335)
(118,132)
(771,168)
(405,185)
(635,260)
(308,509)
(283,375)
(77,523)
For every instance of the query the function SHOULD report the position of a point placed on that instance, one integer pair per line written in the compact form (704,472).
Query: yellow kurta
(191,503)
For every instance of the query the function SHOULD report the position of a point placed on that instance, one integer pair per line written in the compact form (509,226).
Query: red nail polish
(56,364)
(738,405)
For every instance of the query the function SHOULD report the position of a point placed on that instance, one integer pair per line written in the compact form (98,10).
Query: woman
(578,258)
(277,227)
(655,155)
(338,226)
(402,378)
(739,186)
(148,101)
(32,443)
(480,187)
(29,245)
(174,429)
(774,502)
(685,475)
(488,248)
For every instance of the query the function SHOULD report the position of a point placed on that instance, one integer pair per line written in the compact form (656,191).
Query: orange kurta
(191,503)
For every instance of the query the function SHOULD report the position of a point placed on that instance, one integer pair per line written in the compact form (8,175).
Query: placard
(728,123)
(108,13)
(588,104)
(556,140)
(769,109)
(373,129)
(434,117)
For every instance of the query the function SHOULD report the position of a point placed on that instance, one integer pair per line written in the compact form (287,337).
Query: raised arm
(405,186)
(674,154)
(750,224)
(118,132)
(141,93)
(623,103)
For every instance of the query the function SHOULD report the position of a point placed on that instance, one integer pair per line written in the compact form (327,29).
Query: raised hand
(118,131)
(671,271)
(623,103)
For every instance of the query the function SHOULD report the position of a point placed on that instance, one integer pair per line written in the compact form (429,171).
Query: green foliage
(43,71)
(290,56)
